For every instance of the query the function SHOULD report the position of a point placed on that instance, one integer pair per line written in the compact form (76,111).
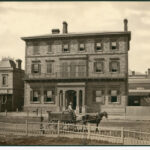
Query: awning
(139,92)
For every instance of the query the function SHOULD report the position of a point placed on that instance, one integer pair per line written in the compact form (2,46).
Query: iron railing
(75,75)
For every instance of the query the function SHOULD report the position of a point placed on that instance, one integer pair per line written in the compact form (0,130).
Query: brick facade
(73,76)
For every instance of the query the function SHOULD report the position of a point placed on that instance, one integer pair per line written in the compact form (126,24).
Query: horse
(94,119)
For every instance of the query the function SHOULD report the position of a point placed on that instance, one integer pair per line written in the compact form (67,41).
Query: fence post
(27,127)
(122,135)
(89,128)
(58,127)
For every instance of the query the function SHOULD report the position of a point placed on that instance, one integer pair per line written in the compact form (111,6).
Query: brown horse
(94,119)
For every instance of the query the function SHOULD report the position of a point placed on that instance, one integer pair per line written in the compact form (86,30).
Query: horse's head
(105,114)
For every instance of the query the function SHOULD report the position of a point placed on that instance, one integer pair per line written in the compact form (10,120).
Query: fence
(119,136)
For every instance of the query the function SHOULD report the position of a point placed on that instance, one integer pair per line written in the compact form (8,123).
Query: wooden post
(27,127)
(58,127)
(122,135)
(89,128)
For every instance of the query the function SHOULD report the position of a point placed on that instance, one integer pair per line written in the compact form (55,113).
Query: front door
(71,98)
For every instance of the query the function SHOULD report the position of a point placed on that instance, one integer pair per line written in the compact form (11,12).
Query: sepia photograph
(74,73)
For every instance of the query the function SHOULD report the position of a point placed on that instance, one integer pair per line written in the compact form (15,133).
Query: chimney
(65,27)
(55,31)
(19,61)
(133,73)
(125,25)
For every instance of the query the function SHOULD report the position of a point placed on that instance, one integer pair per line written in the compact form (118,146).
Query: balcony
(74,75)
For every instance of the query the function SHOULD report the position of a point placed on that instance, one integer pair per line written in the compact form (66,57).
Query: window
(73,69)
(36,68)
(49,67)
(4,99)
(114,96)
(98,46)
(66,48)
(113,99)
(114,66)
(35,95)
(48,96)
(64,69)
(81,47)
(4,80)
(82,69)
(35,49)
(98,66)
(114,45)
(99,96)
(49,48)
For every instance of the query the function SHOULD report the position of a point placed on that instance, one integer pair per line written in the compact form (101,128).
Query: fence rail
(112,135)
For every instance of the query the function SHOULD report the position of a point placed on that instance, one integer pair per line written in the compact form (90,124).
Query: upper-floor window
(36,49)
(81,47)
(98,46)
(36,68)
(4,80)
(49,47)
(49,67)
(113,45)
(98,66)
(82,69)
(48,96)
(35,95)
(114,66)
(66,48)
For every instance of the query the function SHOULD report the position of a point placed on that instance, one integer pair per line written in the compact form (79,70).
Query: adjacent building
(88,69)
(139,89)
(11,85)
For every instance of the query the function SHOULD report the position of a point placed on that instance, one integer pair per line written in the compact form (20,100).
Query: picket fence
(120,136)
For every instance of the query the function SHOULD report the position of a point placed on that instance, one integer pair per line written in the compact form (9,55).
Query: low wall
(138,112)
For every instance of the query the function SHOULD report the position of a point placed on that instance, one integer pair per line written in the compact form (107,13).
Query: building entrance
(71,98)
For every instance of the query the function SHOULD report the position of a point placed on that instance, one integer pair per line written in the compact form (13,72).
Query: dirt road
(24,140)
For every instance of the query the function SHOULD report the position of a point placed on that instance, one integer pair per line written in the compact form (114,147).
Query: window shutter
(118,65)
(109,92)
(118,92)
(95,66)
(32,68)
(103,100)
(53,95)
(39,95)
(45,95)
(94,96)
(31,96)
(119,99)
(109,99)
(39,68)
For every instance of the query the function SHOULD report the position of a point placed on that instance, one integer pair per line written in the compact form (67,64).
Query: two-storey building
(11,85)
(88,69)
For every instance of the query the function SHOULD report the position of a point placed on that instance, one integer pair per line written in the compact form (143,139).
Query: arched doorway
(71,97)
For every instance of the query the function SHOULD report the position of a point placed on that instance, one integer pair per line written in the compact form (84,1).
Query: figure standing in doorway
(70,107)
(71,110)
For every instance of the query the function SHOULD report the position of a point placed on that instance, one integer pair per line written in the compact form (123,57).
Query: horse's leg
(97,123)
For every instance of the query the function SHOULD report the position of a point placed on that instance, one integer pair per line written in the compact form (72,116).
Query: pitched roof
(7,63)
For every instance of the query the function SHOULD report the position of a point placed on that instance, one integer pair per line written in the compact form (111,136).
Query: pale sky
(19,19)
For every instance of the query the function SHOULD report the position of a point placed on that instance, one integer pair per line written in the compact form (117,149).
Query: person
(70,107)
(71,110)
